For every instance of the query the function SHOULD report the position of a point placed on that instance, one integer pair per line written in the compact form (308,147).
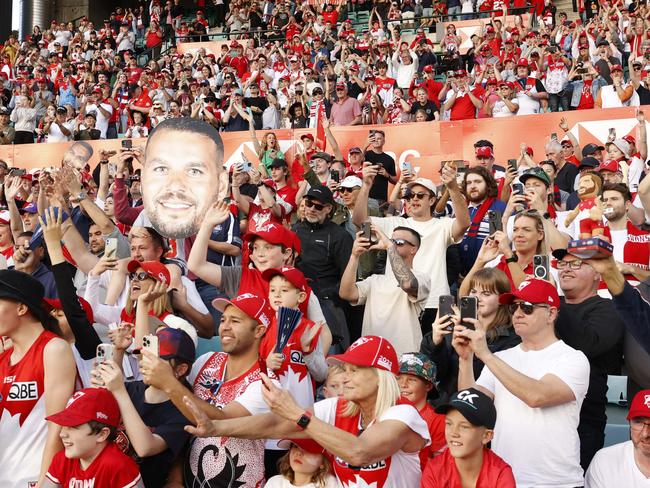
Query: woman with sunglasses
(493,318)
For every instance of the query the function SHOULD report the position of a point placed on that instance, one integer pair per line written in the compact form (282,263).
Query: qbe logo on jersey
(23,391)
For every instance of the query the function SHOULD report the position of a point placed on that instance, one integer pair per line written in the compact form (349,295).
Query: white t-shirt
(403,470)
(501,109)
(615,466)
(102,122)
(540,444)
(280,481)
(56,135)
(392,313)
(430,258)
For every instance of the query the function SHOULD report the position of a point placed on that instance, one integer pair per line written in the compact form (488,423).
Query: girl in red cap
(305,465)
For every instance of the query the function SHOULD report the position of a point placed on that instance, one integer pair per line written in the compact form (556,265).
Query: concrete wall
(66,10)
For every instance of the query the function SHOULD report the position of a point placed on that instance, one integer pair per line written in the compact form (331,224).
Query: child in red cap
(305,464)
(89,456)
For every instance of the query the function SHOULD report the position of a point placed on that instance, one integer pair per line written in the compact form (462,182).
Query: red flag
(321,140)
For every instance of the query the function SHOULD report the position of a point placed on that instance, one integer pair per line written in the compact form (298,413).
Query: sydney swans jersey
(400,470)
(218,462)
(23,428)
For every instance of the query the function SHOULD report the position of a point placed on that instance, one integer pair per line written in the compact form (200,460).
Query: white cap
(426,183)
(351,181)
(176,322)
(623,145)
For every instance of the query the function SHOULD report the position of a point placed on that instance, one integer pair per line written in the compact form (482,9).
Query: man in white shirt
(60,129)
(538,388)
(102,109)
(628,463)
(125,39)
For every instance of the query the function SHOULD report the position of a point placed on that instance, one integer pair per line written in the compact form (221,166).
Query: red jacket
(441,472)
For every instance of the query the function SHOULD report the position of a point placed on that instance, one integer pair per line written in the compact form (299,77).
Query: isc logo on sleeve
(23,390)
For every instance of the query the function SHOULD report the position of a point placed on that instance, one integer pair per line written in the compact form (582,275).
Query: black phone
(17,172)
(367,232)
(468,310)
(512,163)
(335,176)
(540,267)
(127,143)
(494,220)
(554,136)
(445,307)
(518,188)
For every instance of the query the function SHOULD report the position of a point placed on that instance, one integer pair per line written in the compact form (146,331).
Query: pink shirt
(344,113)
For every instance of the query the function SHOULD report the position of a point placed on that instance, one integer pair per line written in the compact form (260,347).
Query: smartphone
(17,172)
(127,143)
(513,164)
(150,343)
(104,353)
(612,133)
(367,232)
(445,307)
(468,310)
(554,136)
(335,176)
(460,165)
(406,166)
(494,220)
(246,164)
(518,188)
(540,266)
(110,249)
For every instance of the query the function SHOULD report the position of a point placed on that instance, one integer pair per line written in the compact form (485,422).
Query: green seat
(352,16)
(363,17)
(406,32)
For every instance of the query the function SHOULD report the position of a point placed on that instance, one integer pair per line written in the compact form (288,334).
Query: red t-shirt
(441,471)
(436,424)
(587,97)
(463,107)
(259,217)
(111,468)
(331,17)
(503,266)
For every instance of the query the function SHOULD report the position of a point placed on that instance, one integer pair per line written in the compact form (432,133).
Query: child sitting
(305,465)
(89,456)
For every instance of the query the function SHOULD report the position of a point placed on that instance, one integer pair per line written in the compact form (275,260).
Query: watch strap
(304,420)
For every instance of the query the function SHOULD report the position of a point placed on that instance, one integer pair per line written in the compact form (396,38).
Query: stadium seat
(352,16)
(615,434)
(617,390)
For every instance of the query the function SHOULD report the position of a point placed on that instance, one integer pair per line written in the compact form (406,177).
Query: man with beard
(480,189)
(224,385)
(631,244)
(180,175)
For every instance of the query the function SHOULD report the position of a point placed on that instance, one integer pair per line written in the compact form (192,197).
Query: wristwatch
(512,259)
(304,420)
(82,195)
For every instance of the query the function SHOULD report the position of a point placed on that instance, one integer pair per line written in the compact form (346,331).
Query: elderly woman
(371,438)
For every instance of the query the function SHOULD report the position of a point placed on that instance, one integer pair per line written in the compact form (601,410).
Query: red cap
(88,404)
(252,305)
(640,406)
(428,69)
(523,62)
(369,352)
(610,165)
(616,67)
(489,29)
(276,234)
(629,139)
(55,304)
(199,12)
(514,32)
(235,44)
(157,270)
(292,275)
(485,152)
(460,72)
(307,136)
(307,445)
(533,290)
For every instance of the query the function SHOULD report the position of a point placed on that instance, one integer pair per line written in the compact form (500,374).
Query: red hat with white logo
(276,234)
(533,290)
(55,304)
(291,274)
(610,165)
(369,352)
(255,307)
(157,270)
(484,152)
(640,406)
(5,217)
(616,67)
(88,404)
(630,139)
(307,445)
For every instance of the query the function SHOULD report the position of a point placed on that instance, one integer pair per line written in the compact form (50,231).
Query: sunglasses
(141,276)
(577,264)
(317,206)
(347,190)
(401,242)
(526,307)
(420,195)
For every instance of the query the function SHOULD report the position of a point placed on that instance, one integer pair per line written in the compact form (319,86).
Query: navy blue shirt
(46,277)
(470,246)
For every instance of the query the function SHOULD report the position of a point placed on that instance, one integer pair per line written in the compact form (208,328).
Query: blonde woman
(268,149)
(373,439)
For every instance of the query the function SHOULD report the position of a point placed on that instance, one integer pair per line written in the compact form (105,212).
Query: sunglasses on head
(419,194)
(317,206)
(141,276)
(526,307)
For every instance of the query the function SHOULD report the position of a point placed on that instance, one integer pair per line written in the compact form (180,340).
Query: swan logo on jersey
(23,390)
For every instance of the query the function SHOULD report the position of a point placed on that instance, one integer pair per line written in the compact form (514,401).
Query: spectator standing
(7,132)
(462,101)
(529,90)
(385,164)
(618,94)
(345,110)
(24,118)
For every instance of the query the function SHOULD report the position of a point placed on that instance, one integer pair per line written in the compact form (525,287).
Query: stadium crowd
(335,320)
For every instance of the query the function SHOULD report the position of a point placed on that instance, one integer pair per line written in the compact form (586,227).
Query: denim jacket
(576,87)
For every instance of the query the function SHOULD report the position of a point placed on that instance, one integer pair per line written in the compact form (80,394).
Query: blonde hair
(388,393)
(139,232)
(334,369)
(159,306)
(539,226)
(319,478)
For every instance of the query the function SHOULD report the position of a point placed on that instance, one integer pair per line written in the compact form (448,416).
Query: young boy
(89,456)
(469,424)
(302,359)
(333,386)
(417,378)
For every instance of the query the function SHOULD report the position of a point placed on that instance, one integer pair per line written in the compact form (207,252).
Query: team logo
(385,362)
(23,391)
(359,342)
(646,400)
(101,415)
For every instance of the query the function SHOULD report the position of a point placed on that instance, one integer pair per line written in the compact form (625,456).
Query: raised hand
(204,426)
(218,213)
(308,336)
(122,337)
(51,225)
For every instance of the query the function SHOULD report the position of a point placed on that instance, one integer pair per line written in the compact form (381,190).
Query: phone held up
(468,310)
